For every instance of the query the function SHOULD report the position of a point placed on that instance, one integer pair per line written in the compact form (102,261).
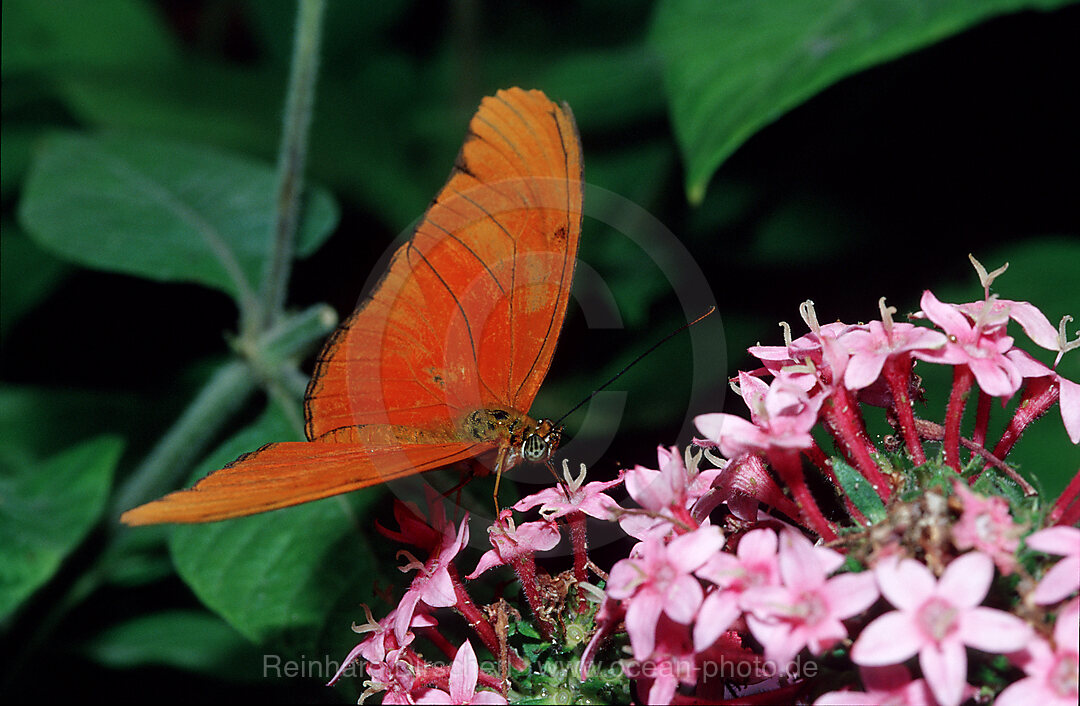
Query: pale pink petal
(906,583)
(850,698)
(487,561)
(488,698)
(1035,324)
(625,578)
(404,613)
(992,630)
(430,696)
(890,639)
(663,688)
(718,611)
(1062,541)
(755,545)
(1062,579)
(693,549)
(863,369)
(683,598)
(944,315)
(945,669)
(1067,627)
(829,559)
(799,565)
(1023,692)
(967,579)
(463,674)
(997,377)
(439,591)
(1069,401)
(850,594)
(641,619)
(780,645)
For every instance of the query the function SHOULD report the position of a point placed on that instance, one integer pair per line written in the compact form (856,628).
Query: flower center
(1063,678)
(937,617)
(812,608)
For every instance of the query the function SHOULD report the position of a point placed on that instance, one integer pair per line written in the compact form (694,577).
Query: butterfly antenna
(635,361)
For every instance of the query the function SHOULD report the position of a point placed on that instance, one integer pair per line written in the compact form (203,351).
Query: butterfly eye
(534,449)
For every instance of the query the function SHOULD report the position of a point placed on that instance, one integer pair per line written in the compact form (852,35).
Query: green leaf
(47,509)
(27,275)
(734,66)
(859,490)
(284,575)
(104,33)
(191,640)
(164,210)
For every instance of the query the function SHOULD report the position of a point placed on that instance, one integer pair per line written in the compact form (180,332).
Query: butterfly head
(540,442)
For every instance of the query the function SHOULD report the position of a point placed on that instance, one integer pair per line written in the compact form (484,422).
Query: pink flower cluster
(735,591)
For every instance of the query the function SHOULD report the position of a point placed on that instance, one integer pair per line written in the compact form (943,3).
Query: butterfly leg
(500,461)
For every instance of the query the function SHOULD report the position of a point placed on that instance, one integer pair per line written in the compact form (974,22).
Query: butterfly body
(440,363)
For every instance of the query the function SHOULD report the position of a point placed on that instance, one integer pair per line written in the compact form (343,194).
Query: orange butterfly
(441,363)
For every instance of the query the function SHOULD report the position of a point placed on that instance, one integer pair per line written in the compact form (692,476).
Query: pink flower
(806,610)
(981,346)
(753,566)
(463,675)
(512,543)
(986,525)
(997,312)
(667,493)
(671,663)
(382,640)
(1068,391)
(592,499)
(885,686)
(660,580)
(1064,578)
(871,346)
(1052,671)
(782,415)
(432,584)
(936,619)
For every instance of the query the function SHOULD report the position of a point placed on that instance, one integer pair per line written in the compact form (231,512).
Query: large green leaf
(159,209)
(41,36)
(284,575)
(46,509)
(733,66)
(185,639)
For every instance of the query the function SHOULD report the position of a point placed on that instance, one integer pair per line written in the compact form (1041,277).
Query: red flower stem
(437,677)
(476,619)
(1039,395)
(954,414)
(525,568)
(1067,504)
(819,459)
(982,421)
(841,412)
(897,372)
(579,546)
(788,465)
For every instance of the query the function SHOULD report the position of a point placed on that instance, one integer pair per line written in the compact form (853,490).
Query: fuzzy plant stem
(476,619)
(1039,395)
(525,568)
(897,372)
(579,546)
(1066,509)
(841,412)
(789,465)
(954,414)
(982,421)
(292,156)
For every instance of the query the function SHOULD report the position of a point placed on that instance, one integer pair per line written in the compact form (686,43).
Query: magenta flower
(782,416)
(667,493)
(1051,671)
(986,525)
(511,543)
(936,619)
(807,608)
(979,346)
(592,498)
(659,579)
(885,686)
(432,584)
(871,346)
(463,675)
(1064,577)
(753,566)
